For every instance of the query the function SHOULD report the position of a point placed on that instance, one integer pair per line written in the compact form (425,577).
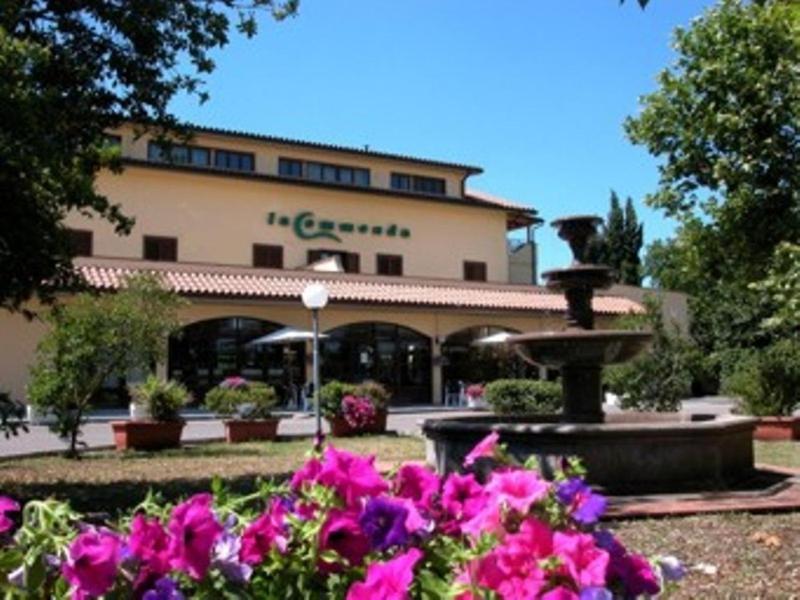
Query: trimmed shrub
(523,396)
(767,382)
(162,399)
(249,400)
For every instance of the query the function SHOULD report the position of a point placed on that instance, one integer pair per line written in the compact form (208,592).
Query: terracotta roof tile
(238,282)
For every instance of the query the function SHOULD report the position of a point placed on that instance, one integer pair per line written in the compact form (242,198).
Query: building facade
(419,267)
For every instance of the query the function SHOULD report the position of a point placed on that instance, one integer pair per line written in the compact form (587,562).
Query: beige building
(418,266)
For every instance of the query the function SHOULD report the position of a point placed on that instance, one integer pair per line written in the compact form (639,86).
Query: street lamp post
(315,298)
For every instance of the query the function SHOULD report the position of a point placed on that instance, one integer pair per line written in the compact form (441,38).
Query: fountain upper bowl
(580,346)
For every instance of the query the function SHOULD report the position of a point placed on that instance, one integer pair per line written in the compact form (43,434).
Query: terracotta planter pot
(341,428)
(240,430)
(147,435)
(777,428)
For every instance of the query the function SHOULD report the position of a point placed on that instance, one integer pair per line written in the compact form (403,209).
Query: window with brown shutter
(80,241)
(474,270)
(267,256)
(160,248)
(389,264)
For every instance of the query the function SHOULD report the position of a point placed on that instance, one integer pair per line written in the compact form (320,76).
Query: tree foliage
(92,338)
(69,71)
(619,243)
(725,124)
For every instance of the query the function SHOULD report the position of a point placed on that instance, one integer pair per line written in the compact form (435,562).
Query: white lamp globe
(315,296)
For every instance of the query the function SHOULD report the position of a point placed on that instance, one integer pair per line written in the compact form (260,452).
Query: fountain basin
(631,453)
(580,346)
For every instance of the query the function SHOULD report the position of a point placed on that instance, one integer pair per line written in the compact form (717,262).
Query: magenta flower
(585,563)
(462,496)
(234,383)
(92,562)
(265,533)
(517,489)
(194,529)
(352,476)
(342,533)
(149,543)
(638,576)
(417,483)
(7,505)
(486,447)
(389,580)
(358,412)
(384,522)
(560,593)
(306,475)
(585,506)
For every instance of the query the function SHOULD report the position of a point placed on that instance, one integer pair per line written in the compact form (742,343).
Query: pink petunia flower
(265,533)
(92,562)
(306,475)
(417,483)
(7,505)
(560,593)
(149,543)
(390,580)
(517,489)
(585,563)
(462,496)
(352,476)
(486,447)
(194,529)
(342,534)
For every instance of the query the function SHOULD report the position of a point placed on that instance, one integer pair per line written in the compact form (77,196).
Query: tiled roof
(365,151)
(237,282)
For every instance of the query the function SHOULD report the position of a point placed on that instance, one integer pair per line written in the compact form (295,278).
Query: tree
(725,124)
(69,71)
(619,243)
(92,338)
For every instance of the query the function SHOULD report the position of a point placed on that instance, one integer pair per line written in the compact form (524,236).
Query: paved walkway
(97,433)
(202,427)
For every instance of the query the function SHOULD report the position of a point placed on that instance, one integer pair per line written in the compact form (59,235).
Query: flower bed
(339,529)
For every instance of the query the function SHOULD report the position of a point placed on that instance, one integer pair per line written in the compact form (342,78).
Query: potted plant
(161,401)
(354,409)
(474,395)
(245,406)
(766,383)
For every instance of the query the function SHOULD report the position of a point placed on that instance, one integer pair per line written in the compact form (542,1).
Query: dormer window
(324,172)
(417,183)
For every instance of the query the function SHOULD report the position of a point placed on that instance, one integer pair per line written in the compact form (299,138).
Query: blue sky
(534,92)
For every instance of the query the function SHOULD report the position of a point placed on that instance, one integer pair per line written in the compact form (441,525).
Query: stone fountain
(624,452)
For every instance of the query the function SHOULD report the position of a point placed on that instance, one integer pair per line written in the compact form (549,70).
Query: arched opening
(467,359)
(204,353)
(396,356)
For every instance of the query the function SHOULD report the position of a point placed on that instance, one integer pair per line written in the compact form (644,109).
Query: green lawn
(779,454)
(107,481)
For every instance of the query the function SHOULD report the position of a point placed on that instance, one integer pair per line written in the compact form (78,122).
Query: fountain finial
(577,230)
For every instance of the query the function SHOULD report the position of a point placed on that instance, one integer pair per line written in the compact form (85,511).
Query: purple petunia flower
(587,507)
(225,558)
(596,593)
(164,589)
(384,522)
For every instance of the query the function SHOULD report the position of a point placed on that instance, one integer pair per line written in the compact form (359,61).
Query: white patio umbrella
(495,338)
(287,335)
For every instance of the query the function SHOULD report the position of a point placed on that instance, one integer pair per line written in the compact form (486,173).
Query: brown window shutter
(160,248)
(80,241)
(267,256)
(352,263)
(474,270)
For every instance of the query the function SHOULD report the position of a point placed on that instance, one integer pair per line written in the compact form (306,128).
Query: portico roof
(221,281)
